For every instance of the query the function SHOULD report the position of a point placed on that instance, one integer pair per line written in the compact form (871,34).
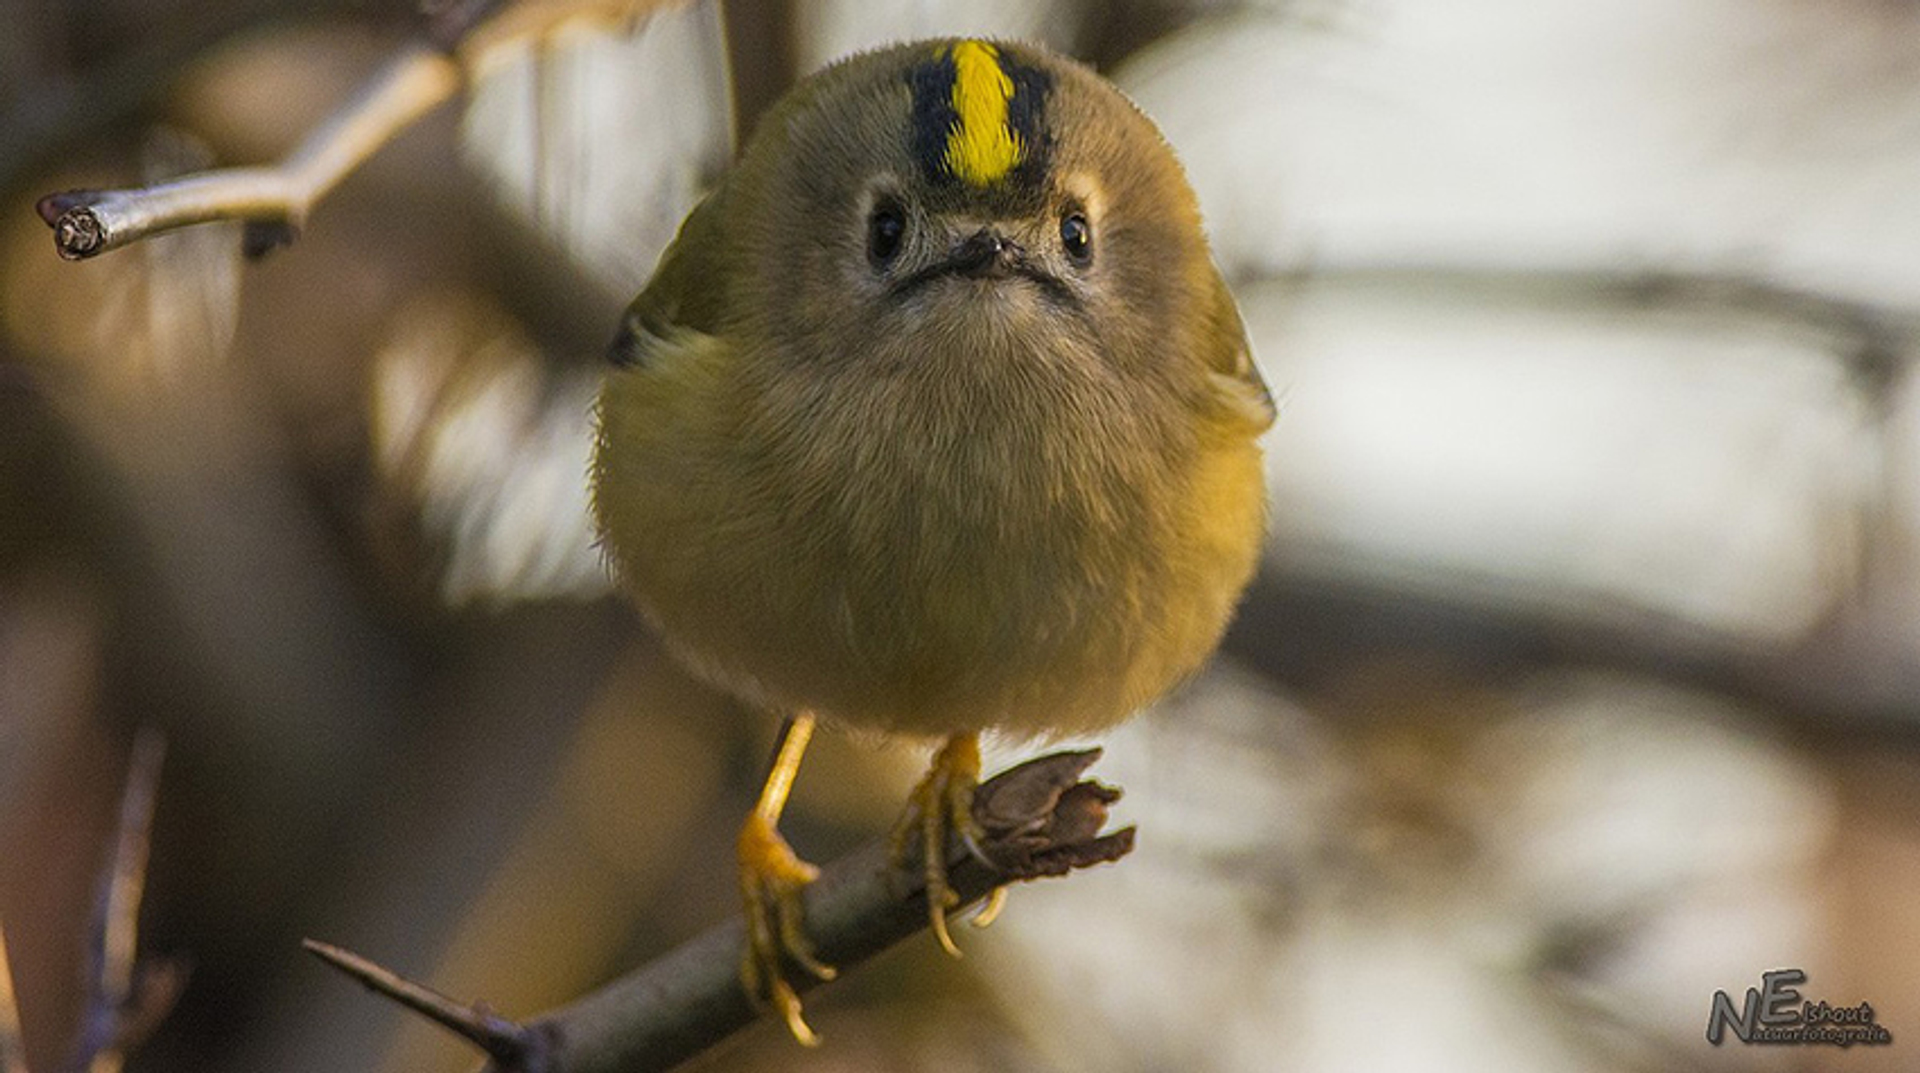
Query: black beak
(985,254)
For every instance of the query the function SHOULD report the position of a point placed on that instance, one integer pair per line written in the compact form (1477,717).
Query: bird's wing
(1236,379)
(685,294)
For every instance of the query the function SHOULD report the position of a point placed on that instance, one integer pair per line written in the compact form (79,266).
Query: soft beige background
(1581,680)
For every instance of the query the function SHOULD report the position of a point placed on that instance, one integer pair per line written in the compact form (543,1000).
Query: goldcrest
(936,418)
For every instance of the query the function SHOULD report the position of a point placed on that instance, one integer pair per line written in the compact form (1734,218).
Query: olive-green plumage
(988,469)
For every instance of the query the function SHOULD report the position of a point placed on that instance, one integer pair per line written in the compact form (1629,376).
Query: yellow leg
(942,803)
(771,879)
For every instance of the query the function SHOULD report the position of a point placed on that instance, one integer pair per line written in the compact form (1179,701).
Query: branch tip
(511,1045)
(77,231)
(77,234)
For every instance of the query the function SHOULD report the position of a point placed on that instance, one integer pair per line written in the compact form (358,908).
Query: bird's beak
(985,254)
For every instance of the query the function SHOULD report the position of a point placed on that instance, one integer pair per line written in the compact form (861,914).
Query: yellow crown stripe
(982,146)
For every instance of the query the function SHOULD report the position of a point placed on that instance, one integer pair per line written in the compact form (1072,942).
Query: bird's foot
(940,804)
(772,878)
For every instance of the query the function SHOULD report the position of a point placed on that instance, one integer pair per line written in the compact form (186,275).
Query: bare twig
(13,1055)
(504,1041)
(273,200)
(1041,820)
(126,998)
(118,922)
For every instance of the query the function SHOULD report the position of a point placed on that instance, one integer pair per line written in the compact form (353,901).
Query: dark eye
(1077,236)
(885,228)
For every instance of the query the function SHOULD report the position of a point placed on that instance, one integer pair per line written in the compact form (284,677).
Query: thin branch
(273,200)
(1041,820)
(13,1053)
(118,923)
(126,998)
(507,1043)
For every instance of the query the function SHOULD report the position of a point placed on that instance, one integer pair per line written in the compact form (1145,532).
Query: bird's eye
(885,228)
(1077,236)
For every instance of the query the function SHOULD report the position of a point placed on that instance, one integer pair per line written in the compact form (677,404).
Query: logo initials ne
(1771,1003)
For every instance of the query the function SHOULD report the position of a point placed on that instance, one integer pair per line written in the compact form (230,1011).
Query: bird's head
(951,200)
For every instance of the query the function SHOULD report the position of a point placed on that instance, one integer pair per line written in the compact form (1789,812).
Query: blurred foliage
(1581,680)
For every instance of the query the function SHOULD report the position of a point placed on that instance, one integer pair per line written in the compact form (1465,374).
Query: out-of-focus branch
(117,919)
(273,200)
(1040,818)
(125,998)
(13,1056)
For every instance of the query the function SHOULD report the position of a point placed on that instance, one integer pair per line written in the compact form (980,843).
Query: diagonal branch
(505,1042)
(273,200)
(1041,820)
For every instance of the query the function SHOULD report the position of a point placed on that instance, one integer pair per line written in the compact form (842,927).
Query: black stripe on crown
(933,115)
(1025,112)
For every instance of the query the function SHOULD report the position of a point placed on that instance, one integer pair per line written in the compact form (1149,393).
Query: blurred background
(1582,678)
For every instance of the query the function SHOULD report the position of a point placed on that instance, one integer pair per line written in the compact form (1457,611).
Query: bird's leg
(943,803)
(772,877)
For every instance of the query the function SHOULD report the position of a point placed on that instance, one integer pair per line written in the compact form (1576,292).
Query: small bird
(936,418)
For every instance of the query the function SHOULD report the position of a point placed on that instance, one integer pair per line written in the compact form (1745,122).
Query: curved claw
(787,1003)
(990,912)
(772,879)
